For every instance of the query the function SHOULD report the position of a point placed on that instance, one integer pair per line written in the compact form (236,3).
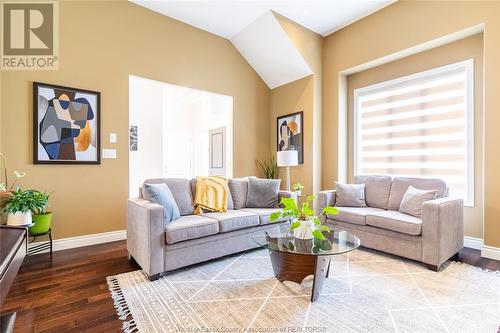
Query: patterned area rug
(367,291)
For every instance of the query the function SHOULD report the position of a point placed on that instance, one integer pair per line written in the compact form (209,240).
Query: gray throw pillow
(350,195)
(161,194)
(263,193)
(239,189)
(413,201)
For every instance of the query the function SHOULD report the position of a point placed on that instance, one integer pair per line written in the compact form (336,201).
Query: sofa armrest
(287,194)
(325,198)
(442,229)
(146,235)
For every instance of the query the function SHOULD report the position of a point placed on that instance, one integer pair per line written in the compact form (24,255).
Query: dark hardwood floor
(70,293)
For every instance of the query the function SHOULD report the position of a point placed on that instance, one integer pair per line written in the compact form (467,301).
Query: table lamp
(287,158)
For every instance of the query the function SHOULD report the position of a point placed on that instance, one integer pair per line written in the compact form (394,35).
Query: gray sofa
(158,247)
(433,239)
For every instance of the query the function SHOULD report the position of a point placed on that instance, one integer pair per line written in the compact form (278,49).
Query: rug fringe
(121,306)
(484,270)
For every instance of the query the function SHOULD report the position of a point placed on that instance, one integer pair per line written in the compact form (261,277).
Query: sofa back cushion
(238,188)
(350,195)
(230,204)
(181,190)
(263,193)
(377,189)
(401,184)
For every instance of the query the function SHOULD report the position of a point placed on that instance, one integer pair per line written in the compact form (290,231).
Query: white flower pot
(305,230)
(298,192)
(19,218)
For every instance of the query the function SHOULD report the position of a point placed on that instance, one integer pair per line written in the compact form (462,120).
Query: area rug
(366,291)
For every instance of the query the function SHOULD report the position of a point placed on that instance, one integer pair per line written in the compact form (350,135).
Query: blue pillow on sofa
(161,194)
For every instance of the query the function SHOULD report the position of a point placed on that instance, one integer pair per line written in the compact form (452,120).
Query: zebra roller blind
(419,126)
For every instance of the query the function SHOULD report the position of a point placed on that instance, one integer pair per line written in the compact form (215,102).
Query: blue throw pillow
(161,194)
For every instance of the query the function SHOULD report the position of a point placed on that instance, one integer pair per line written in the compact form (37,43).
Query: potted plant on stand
(305,224)
(18,207)
(41,218)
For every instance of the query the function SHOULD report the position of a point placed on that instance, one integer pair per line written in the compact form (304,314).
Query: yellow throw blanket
(211,194)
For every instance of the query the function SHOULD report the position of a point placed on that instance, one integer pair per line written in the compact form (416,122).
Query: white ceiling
(228,18)
(267,48)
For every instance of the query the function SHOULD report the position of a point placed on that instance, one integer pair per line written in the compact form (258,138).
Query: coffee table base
(296,267)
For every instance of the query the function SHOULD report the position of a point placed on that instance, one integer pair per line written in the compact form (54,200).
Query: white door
(217,152)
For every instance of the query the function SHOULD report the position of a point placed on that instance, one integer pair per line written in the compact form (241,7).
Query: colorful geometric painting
(290,133)
(66,125)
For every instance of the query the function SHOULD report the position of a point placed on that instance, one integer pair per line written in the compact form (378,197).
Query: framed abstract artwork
(66,125)
(290,133)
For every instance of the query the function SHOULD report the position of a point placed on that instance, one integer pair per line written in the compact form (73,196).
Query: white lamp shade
(287,158)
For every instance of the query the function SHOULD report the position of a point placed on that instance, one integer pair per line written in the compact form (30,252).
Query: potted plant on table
(298,187)
(305,224)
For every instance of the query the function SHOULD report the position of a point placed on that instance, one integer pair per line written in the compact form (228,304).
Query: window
(419,126)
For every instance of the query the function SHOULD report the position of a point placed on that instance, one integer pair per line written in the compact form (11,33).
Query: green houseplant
(298,187)
(269,168)
(18,207)
(41,218)
(305,224)
(23,206)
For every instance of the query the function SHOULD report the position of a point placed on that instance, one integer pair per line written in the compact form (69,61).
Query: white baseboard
(490,252)
(86,240)
(473,242)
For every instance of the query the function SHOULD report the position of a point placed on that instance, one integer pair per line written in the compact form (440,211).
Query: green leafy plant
(298,187)
(25,201)
(303,213)
(269,168)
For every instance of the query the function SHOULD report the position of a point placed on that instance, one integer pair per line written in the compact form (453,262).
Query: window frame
(468,65)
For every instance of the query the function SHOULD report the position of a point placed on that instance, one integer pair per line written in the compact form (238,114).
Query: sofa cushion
(413,201)
(400,185)
(230,204)
(238,188)
(234,220)
(161,194)
(190,227)
(181,190)
(264,214)
(354,215)
(263,193)
(377,189)
(350,195)
(395,221)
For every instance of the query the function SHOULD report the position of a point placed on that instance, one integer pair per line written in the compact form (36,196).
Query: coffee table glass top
(281,239)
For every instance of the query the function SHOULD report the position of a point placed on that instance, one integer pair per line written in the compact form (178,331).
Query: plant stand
(40,246)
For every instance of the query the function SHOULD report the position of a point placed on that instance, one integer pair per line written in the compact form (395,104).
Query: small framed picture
(66,125)
(290,133)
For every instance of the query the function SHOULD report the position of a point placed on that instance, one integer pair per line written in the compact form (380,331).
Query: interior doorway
(178,132)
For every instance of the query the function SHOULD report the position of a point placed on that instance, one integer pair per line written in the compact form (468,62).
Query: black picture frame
(298,139)
(36,125)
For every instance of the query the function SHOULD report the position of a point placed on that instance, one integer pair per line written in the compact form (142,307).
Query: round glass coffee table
(294,259)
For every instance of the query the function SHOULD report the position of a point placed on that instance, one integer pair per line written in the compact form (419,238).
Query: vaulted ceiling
(257,34)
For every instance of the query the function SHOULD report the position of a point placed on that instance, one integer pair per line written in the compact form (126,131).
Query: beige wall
(398,27)
(302,95)
(294,97)
(101,44)
(468,48)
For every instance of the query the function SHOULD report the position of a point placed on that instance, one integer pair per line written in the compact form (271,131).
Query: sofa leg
(433,268)
(455,257)
(154,277)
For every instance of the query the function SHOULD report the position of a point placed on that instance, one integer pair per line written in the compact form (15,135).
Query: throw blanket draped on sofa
(211,194)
